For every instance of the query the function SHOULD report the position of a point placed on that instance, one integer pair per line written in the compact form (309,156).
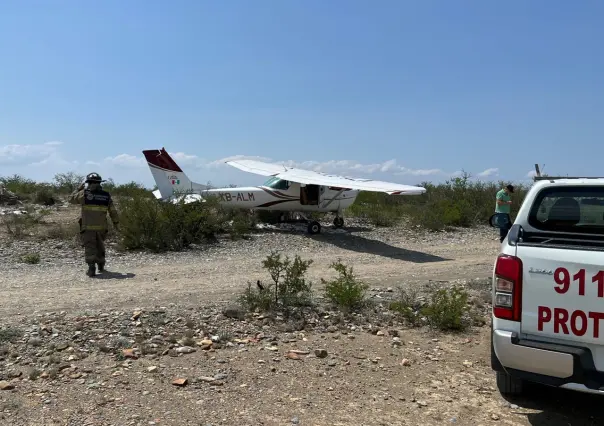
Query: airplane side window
(271,182)
(281,184)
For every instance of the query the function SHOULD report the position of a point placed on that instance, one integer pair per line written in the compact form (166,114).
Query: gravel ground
(152,343)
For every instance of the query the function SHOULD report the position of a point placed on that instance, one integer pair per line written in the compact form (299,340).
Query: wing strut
(335,197)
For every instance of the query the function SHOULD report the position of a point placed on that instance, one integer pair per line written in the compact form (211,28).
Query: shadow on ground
(558,407)
(107,275)
(346,240)
(375,247)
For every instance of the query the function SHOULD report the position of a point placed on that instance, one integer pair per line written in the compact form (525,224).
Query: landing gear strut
(314,227)
(338,222)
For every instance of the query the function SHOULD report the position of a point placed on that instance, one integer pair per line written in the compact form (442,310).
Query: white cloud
(489,172)
(126,160)
(531,174)
(55,160)
(43,161)
(26,154)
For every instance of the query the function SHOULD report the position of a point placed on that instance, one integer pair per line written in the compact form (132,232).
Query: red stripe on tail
(161,158)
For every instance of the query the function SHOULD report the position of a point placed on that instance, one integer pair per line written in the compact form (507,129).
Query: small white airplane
(288,189)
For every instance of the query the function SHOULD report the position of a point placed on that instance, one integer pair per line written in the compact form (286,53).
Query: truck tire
(509,385)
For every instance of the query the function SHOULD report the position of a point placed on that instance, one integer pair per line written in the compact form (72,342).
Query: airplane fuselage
(276,194)
(293,197)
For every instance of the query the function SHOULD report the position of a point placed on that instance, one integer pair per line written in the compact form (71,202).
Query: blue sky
(406,91)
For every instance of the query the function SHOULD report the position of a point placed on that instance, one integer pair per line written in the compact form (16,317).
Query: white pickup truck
(548,289)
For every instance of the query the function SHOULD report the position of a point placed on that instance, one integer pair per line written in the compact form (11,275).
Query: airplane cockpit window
(276,183)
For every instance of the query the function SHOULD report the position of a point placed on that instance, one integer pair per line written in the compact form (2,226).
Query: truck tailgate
(563,293)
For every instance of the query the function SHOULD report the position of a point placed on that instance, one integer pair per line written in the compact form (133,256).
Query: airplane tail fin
(168,175)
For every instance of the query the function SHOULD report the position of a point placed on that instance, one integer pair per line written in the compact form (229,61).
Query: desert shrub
(259,299)
(376,208)
(19,226)
(240,222)
(61,231)
(289,287)
(20,185)
(146,223)
(44,196)
(458,202)
(27,189)
(130,189)
(347,291)
(66,183)
(448,309)
(408,306)
(31,258)
(10,334)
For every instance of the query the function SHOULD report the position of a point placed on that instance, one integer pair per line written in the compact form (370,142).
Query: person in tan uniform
(96,203)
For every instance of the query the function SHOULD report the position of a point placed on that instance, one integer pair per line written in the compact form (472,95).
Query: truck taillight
(507,303)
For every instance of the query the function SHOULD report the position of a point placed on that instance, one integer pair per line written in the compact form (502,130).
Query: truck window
(574,209)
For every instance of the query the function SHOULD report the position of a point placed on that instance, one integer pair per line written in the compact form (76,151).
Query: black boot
(101,267)
(91,270)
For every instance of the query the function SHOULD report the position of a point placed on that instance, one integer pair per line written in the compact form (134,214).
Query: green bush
(347,291)
(448,309)
(146,223)
(20,185)
(62,231)
(66,183)
(31,258)
(44,196)
(458,202)
(10,334)
(408,306)
(289,287)
(376,208)
(130,189)
(21,226)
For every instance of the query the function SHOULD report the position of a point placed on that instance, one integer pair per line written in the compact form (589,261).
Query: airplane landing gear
(338,222)
(314,227)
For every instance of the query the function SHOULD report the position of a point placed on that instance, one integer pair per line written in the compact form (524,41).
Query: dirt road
(370,374)
(383,259)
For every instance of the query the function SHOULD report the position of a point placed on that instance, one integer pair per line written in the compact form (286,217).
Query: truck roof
(568,180)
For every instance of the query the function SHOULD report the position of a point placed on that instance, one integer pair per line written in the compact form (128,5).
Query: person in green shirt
(503,201)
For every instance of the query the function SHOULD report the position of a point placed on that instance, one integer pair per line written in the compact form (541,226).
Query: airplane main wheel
(314,227)
(338,222)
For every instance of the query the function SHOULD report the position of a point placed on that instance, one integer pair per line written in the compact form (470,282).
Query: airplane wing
(258,167)
(309,177)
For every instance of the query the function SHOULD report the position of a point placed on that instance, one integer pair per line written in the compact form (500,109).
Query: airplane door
(310,195)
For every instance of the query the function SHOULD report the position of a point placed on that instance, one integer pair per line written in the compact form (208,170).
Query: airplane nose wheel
(338,222)
(314,227)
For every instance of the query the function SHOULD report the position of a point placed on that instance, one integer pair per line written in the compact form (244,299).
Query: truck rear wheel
(509,385)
